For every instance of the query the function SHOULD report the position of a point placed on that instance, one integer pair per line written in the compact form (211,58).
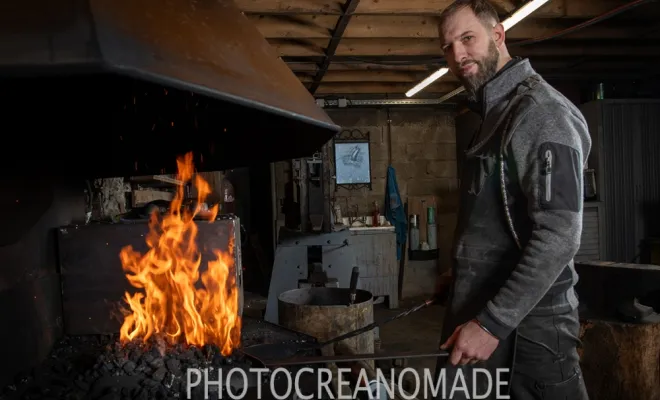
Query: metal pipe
(380,102)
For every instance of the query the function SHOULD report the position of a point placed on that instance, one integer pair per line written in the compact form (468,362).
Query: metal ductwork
(121,87)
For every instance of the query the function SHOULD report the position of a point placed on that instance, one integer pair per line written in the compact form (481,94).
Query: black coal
(99,367)
(135,371)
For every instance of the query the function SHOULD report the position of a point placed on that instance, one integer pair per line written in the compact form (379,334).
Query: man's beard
(486,69)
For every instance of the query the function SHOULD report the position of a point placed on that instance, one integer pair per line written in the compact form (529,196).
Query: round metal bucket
(325,313)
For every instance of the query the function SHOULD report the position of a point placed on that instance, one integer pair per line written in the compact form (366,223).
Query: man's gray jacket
(546,142)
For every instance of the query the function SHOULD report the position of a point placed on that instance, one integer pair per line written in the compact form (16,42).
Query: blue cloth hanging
(394,212)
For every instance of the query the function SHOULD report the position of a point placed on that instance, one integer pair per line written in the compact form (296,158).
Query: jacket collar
(502,84)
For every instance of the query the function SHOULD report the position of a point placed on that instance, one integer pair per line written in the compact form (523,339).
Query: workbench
(374,249)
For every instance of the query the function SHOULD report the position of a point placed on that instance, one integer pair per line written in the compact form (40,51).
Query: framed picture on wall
(352,158)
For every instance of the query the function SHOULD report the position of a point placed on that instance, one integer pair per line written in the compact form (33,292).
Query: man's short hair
(481,8)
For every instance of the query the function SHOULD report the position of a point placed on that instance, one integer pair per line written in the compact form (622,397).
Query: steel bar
(351,358)
(377,324)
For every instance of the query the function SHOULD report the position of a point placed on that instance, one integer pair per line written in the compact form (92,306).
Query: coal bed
(99,367)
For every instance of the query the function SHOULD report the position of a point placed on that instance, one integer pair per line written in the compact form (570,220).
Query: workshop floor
(419,331)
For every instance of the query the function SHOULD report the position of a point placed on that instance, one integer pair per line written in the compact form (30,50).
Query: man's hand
(471,344)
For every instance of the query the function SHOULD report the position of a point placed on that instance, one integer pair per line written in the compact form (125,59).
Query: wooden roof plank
(358,66)
(404,73)
(431,47)
(294,26)
(367,76)
(385,26)
(554,9)
(290,6)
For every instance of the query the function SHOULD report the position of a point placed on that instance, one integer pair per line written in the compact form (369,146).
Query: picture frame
(352,160)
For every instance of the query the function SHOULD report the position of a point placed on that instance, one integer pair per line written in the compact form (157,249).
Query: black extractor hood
(107,88)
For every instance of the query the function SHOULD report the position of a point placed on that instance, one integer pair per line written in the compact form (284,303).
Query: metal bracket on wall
(345,103)
(352,148)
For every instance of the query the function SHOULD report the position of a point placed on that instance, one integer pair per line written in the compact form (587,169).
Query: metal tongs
(375,325)
(270,355)
(306,360)
(296,359)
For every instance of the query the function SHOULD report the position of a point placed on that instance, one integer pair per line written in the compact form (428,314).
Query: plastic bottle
(431,229)
(375,216)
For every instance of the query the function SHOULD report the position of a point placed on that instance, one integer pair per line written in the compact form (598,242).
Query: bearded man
(512,302)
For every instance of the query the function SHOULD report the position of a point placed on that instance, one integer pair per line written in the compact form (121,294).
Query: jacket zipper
(548,173)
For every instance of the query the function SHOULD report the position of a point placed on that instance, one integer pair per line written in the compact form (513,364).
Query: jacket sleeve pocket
(560,177)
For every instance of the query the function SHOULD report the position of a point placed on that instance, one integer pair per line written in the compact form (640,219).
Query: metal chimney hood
(120,87)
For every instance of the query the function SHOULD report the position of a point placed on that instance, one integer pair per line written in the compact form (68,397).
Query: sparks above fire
(173,303)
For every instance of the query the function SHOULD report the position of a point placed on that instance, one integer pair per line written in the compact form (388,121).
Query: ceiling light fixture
(432,78)
(522,13)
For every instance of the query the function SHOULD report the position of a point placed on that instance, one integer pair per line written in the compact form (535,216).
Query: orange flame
(170,304)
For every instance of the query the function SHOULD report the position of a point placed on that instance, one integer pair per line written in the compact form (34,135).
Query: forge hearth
(119,88)
(99,367)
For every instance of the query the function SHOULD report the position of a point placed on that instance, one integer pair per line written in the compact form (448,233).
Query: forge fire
(177,301)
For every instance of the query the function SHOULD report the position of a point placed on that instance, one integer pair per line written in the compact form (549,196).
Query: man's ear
(499,35)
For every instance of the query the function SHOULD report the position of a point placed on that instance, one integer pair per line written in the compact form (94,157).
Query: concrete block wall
(422,145)
(423,151)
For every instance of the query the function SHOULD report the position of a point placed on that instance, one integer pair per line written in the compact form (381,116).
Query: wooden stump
(620,361)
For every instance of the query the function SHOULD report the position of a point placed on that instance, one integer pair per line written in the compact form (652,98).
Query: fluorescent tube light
(523,13)
(518,16)
(433,77)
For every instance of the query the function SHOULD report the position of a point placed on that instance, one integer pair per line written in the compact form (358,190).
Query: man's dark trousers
(542,355)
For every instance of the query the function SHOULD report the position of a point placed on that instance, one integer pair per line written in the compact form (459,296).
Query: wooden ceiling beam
(359,47)
(294,26)
(431,48)
(290,6)
(554,9)
(358,66)
(432,61)
(425,27)
(406,73)
(390,60)
(410,79)
(369,76)
(337,33)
